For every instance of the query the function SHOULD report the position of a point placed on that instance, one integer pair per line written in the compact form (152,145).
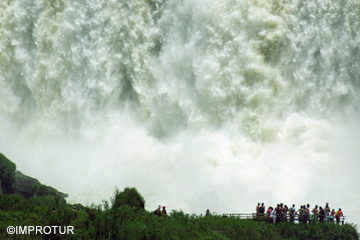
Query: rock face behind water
(7,175)
(13,181)
(31,187)
(25,185)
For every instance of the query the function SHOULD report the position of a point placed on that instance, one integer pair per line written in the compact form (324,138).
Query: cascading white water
(199,104)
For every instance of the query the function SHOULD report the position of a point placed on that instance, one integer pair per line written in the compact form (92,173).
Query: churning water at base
(198,104)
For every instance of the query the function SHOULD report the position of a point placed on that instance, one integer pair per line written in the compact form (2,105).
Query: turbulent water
(198,104)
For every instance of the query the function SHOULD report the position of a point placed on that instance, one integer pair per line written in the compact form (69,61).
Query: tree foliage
(126,219)
(130,197)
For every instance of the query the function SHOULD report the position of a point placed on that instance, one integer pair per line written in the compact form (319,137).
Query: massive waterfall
(199,104)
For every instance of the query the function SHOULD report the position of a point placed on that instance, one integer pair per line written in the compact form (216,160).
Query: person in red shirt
(163,212)
(338,215)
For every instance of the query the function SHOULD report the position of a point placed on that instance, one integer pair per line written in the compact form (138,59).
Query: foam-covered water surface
(198,104)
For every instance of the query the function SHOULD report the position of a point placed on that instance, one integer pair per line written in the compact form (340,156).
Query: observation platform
(272,219)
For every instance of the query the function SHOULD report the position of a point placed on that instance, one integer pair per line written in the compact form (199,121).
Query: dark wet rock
(13,181)
(7,175)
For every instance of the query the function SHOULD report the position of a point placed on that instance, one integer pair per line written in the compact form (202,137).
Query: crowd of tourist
(283,213)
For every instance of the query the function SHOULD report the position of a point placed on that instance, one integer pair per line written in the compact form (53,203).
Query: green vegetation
(130,197)
(124,217)
(26,202)
(13,181)
(7,175)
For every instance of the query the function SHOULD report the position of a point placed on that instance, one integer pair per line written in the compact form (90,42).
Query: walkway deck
(253,216)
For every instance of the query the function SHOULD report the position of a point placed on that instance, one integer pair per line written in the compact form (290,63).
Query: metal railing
(296,218)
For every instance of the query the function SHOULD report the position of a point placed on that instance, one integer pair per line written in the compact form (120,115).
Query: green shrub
(130,197)
(126,220)
(11,202)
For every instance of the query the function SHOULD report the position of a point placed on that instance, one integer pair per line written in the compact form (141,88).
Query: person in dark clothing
(307,212)
(262,210)
(207,214)
(285,212)
(321,214)
(92,215)
(270,214)
(282,215)
(158,211)
(278,213)
(257,209)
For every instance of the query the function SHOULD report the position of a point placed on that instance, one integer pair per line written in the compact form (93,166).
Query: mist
(198,104)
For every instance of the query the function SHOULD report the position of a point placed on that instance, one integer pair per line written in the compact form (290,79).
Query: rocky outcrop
(26,186)
(31,187)
(7,175)
(13,181)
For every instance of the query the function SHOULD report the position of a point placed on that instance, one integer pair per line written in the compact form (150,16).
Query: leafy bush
(11,202)
(130,197)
